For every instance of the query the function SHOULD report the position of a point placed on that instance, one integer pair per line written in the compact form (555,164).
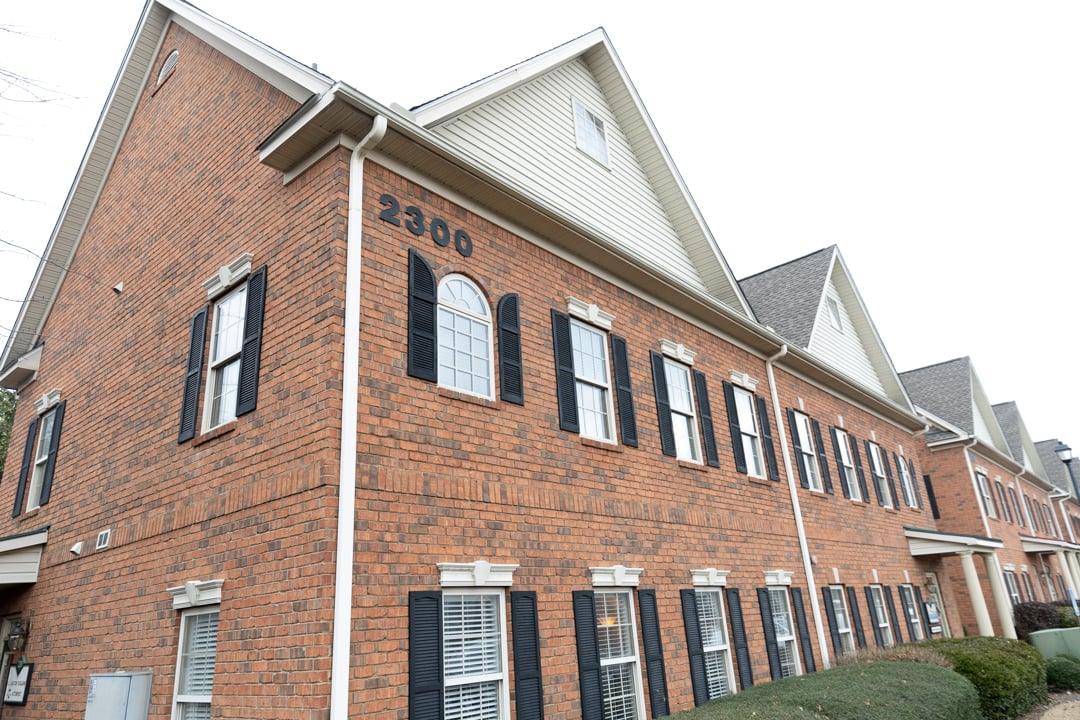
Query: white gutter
(350,393)
(1064,515)
(975,486)
(804,548)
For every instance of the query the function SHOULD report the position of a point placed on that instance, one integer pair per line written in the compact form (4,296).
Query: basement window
(589,131)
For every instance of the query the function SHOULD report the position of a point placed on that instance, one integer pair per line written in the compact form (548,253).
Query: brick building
(335,409)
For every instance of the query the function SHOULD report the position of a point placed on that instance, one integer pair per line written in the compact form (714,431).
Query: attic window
(168,66)
(834,313)
(589,132)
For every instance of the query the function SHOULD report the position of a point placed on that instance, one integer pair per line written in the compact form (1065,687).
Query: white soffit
(20,556)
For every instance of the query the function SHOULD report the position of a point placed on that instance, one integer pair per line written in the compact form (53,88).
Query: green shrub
(859,691)
(1067,617)
(1031,617)
(897,653)
(1010,675)
(1063,673)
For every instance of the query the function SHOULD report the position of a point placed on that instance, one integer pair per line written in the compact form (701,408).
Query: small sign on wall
(18,684)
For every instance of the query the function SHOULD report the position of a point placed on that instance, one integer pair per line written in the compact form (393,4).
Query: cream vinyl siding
(844,349)
(528,134)
(20,566)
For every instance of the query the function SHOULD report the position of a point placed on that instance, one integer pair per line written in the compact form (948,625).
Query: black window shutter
(423,329)
(875,621)
(565,384)
(877,481)
(624,391)
(189,408)
(247,389)
(859,473)
(839,463)
(803,480)
(708,436)
(823,459)
(528,684)
(907,615)
(770,633)
(663,406)
(54,445)
(925,615)
(915,483)
(889,477)
(767,438)
(733,428)
(588,654)
(654,652)
(511,380)
(425,656)
(856,617)
(892,613)
(24,470)
(804,631)
(698,680)
(738,639)
(931,498)
(830,613)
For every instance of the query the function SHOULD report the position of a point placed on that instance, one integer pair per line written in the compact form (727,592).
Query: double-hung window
(841,618)
(881,615)
(620,669)
(719,673)
(750,432)
(1019,511)
(783,625)
(911,609)
(1049,583)
(1027,587)
(226,344)
(474,656)
(984,492)
(41,459)
(807,451)
(847,464)
(877,467)
(1012,587)
(589,133)
(906,482)
(592,381)
(683,415)
(193,691)
(1003,502)
(465,357)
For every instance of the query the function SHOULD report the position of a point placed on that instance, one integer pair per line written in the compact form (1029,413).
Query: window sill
(600,444)
(466,397)
(890,510)
(29,513)
(819,495)
(691,465)
(761,481)
(214,434)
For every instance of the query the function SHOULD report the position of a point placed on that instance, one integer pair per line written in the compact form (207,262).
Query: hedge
(1063,673)
(1031,617)
(1009,675)
(870,691)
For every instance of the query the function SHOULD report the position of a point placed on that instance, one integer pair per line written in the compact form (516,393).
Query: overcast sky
(937,143)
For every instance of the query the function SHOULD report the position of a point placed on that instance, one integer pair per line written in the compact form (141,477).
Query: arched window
(465,357)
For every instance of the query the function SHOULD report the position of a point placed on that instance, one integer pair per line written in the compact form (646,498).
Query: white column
(1063,565)
(1074,565)
(1001,595)
(975,593)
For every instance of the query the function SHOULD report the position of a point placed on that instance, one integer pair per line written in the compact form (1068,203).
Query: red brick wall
(254,506)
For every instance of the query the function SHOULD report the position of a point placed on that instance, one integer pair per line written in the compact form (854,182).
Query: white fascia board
(1044,545)
(927,542)
(17,542)
(22,370)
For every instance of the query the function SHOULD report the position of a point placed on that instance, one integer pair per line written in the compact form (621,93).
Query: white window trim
(589,313)
(915,617)
(196,593)
(47,402)
(729,665)
(607,388)
(489,321)
(625,660)
(177,698)
(907,483)
(877,469)
(1012,588)
(882,618)
(808,451)
(744,380)
(779,578)
(616,576)
(983,483)
(41,459)
(604,162)
(502,677)
(832,309)
(677,352)
(847,613)
(753,433)
(794,639)
(709,578)
(476,574)
(227,276)
(211,366)
(848,463)
(693,414)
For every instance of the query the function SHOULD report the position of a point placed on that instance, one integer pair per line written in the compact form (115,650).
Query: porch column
(1063,563)
(974,588)
(1074,565)
(1001,595)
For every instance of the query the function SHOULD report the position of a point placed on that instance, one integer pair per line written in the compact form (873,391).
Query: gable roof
(790,298)
(1056,472)
(596,50)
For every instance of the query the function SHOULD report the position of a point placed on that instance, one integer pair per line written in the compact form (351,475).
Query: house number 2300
(417,224)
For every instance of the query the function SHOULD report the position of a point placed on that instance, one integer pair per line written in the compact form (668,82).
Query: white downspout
(350,397)
(975,487)
(804,548)
(1065,516)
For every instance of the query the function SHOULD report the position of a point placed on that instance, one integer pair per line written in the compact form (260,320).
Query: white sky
(938,143)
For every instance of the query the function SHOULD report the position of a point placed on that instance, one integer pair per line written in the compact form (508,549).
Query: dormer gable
(1017,436)
(569,126)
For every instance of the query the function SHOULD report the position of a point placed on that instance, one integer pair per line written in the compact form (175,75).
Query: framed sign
(18,684)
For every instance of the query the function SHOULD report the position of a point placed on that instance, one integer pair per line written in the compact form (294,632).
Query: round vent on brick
(168,66)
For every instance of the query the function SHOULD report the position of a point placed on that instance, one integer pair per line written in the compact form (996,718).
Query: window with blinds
(195,664)
(881,615)
(911,609)
(617,642)
(714,642)
(785,631)
(840,615)
(474,670)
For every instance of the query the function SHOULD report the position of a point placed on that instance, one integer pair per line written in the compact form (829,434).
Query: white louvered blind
(785,634)
(198,656)
(472,657)
(479,701)
(714,642)
(618,655)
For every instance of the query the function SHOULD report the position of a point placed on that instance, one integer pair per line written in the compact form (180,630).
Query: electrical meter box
(118,696)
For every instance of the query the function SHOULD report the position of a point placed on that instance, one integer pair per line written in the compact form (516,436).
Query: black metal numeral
(415,222)
(463,243)
(390,214)
(440,232)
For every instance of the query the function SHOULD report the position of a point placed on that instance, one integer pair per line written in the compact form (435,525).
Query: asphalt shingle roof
(944,389)
(1008,417)
(1055,469)
(787,297)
